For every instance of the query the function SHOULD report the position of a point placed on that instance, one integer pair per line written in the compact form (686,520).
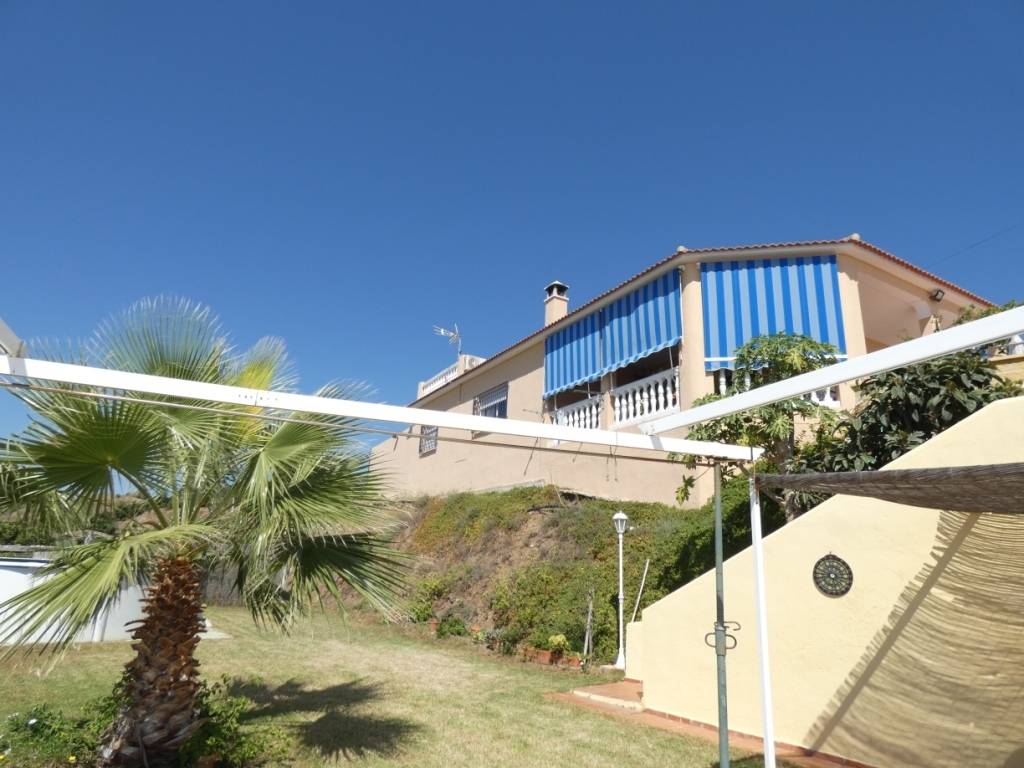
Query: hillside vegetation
(523,562)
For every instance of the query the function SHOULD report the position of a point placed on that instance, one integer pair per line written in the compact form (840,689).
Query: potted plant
(542,655)
(557,647)
(432,625)
(574,660)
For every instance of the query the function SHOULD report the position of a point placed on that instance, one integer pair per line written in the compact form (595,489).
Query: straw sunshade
(995,488)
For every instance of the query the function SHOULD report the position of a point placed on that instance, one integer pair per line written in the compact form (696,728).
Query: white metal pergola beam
(66,373)
(973,334)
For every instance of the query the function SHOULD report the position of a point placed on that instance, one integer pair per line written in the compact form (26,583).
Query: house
(916,662)
(649,347)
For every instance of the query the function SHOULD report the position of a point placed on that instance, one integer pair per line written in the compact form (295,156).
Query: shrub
(557,644)
(223,736)
(452,626)
(430,590)
(45,737)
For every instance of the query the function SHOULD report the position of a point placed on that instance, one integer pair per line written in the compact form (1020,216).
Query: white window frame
(491,399)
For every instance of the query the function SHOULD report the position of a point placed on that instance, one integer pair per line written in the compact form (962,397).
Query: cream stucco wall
(621,474)
(635,657)
(921,664)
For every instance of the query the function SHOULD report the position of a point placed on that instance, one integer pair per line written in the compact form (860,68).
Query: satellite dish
(454,337)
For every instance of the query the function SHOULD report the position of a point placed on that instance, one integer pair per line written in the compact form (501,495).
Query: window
(428,440)
(493,403)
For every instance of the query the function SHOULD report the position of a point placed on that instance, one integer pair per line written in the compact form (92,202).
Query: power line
(983,240)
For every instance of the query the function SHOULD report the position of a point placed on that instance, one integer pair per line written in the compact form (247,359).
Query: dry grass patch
(369,695)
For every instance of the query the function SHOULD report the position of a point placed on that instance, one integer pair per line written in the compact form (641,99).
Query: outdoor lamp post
(621,521)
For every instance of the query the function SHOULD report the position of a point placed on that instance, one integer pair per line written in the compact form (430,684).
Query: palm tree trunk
(161,682)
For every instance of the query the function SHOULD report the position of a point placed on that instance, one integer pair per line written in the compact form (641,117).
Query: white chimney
(556,302)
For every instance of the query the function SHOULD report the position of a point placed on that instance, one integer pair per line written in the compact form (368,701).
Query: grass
(368,695)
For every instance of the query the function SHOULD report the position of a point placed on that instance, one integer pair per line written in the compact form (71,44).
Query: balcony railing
(438,380)
(644,399)
(585,414)
(631,403)
(828,398)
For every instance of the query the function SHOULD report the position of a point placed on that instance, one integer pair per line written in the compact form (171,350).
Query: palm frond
(85,580)
(264,366)
(76,447)
(164,336)
(301,576)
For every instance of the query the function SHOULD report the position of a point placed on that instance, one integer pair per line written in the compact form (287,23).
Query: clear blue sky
(346,175)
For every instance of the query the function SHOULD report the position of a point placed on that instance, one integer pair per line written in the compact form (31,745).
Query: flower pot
(542,657)
(575,662)
(432,626)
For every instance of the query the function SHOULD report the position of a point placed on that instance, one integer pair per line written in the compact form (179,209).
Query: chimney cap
(556,288)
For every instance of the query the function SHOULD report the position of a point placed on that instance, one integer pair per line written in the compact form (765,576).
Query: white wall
(18,574)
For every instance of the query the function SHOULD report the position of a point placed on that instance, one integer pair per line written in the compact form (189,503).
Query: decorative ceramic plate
(833,576)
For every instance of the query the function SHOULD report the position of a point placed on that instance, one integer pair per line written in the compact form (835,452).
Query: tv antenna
(454,337)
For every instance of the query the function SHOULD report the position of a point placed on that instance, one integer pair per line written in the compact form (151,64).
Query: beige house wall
(454,467)
(921,664)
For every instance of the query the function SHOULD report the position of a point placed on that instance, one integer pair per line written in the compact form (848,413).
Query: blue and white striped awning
(744,299)
(572,356)
(641,323)
(632,327)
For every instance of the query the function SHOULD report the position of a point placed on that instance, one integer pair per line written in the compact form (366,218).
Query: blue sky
(345,176)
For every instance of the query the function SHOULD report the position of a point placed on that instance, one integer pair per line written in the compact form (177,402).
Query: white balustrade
(649,397)
(439,380)
(463,364)
(827,398)
(585,414)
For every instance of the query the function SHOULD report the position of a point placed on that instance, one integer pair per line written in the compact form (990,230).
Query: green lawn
(383,696)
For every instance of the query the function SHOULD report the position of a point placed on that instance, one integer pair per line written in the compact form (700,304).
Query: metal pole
(620,662)
(723,707)
(640,592)
(762,627)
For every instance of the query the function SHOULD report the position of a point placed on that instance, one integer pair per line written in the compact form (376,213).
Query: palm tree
(289,504)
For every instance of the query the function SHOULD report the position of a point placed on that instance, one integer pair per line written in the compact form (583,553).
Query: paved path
(623,700)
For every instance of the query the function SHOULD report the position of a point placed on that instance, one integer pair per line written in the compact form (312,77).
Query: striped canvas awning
(572,356)
(630,328)
(641,323)
(744,299)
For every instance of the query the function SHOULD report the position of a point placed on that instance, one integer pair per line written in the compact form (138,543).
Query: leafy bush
(20,533)
(557,644)
(452,626)
(428,592)
(223,736)
(45,737)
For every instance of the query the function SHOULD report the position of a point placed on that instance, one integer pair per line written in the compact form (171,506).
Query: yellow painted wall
(921,664)
(1010,367)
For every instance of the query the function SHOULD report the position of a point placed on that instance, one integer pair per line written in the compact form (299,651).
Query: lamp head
(621,521)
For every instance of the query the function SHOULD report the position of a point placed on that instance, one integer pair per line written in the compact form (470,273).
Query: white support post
(762,627)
